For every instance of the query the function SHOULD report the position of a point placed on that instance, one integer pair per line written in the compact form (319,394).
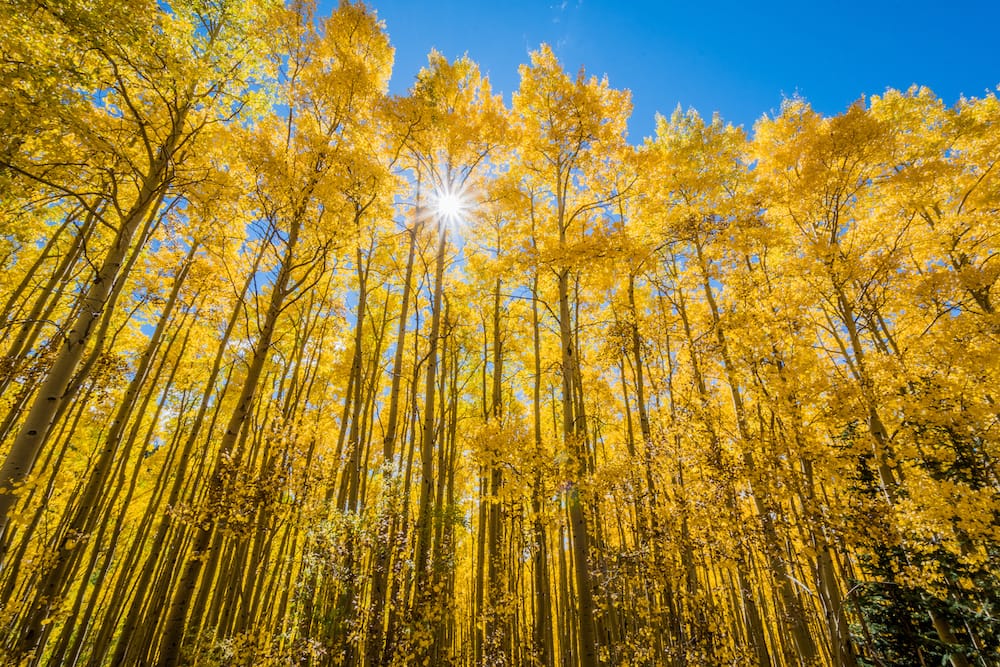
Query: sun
(451,205)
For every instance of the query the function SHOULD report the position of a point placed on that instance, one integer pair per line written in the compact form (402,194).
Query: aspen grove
(297,372)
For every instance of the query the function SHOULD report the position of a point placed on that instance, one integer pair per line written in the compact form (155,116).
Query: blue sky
(737,58)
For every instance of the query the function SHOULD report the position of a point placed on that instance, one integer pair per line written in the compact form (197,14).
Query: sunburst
(451,205)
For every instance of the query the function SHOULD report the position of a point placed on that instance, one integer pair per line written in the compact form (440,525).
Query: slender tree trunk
(575,434)
(496,626)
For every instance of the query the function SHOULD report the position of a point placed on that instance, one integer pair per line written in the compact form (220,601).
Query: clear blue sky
(737,58)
